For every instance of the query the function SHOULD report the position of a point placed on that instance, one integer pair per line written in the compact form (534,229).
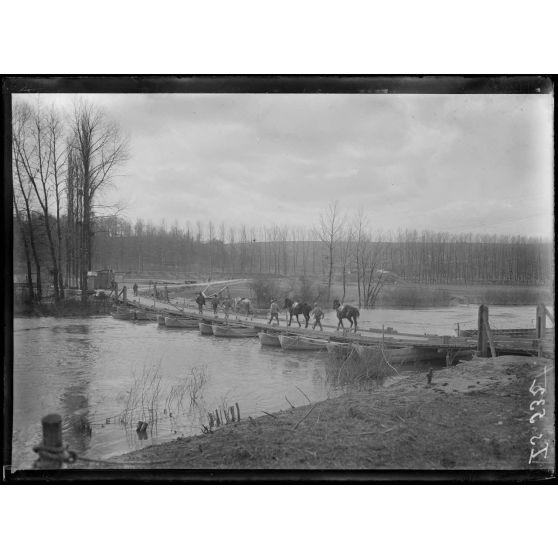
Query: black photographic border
(265,84)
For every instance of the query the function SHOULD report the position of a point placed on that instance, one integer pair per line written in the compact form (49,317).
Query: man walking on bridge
(274,311)
(215,304)
(318,315)
(200,301)
(227,306)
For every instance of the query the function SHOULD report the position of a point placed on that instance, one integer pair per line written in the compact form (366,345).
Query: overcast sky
(457,163)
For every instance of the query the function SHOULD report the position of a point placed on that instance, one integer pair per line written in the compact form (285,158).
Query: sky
(455,163)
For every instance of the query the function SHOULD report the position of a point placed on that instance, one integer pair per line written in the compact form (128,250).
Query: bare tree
(26,247)
(211,233)
(346,251)
(39,156)
(98,149)
(368,252)
(222,240)
(328,232)
(22,196)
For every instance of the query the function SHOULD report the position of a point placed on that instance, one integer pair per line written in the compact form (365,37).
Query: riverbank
(475,415)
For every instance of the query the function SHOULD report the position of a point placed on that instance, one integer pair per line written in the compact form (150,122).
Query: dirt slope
(475,415)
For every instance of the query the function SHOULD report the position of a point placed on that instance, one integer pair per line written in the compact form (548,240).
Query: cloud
(416,161)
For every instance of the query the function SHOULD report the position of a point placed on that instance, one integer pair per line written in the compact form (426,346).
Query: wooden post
(549,314)
(540,322)
(52,431)
(237,412)
(52,441)
(489,335)
(482,337)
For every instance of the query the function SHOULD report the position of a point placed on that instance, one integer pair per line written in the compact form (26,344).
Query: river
(89,370)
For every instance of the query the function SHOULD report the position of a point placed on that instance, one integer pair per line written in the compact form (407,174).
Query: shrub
(264,291)
(357,371)
(305,289)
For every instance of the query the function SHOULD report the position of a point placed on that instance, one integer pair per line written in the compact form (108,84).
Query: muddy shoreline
(475,415)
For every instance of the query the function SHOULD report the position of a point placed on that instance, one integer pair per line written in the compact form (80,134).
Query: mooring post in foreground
(482,339)
(52,447)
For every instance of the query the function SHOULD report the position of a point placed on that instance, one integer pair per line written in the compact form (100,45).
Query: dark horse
(297,308)
(346,312)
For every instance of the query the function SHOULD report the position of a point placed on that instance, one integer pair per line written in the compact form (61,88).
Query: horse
(297,308)
(242,306)
(346,312)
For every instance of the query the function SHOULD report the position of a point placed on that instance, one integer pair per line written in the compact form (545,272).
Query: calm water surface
(85,368)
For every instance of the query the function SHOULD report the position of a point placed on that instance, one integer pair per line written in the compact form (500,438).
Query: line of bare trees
(354,254)
(60,164)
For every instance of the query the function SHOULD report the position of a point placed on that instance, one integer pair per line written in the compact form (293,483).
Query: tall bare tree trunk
(27,253)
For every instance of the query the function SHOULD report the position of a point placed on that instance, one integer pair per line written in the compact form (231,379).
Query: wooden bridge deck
(444,344)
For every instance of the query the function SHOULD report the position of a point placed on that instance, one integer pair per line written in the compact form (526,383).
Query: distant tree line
(422,257)
(209,251)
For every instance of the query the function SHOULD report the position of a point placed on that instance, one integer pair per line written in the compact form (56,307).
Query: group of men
(215,302)
(274,310)
(155,294)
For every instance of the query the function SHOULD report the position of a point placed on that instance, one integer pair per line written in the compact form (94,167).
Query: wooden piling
(52,431)
(540,327)
(52,442)
(237,412)
(540,320)
(489,336)
(482,337)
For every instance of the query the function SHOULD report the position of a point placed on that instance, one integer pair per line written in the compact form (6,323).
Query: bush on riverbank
(355,371)
(264,290)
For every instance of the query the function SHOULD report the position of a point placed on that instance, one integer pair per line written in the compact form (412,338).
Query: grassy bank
(473,416)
